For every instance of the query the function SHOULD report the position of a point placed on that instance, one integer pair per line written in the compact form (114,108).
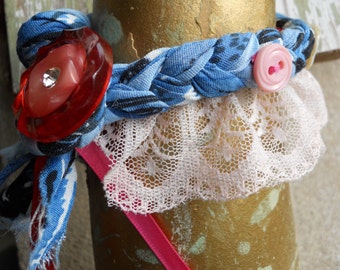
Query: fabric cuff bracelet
(162,79)
(71,91)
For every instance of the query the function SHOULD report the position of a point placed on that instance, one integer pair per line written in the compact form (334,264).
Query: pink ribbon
(146,225)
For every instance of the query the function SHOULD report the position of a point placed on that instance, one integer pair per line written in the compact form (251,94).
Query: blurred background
(315,197)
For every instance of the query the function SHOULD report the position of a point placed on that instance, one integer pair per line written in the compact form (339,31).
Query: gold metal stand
(252,233)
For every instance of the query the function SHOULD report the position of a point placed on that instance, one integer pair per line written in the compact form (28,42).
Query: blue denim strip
(57,185)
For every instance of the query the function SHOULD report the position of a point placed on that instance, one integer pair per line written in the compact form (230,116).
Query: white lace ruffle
(221,149)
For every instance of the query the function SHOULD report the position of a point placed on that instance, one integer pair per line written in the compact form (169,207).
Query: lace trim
(215,149)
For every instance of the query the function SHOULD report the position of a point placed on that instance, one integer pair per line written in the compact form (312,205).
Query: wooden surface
(324,14)
(18,11)
(76,253)
(316,198)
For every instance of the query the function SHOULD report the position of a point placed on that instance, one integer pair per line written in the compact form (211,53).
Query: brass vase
(252,233)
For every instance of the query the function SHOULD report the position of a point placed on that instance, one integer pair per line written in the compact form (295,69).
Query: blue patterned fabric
(57,185)
(162,79)
(43,28)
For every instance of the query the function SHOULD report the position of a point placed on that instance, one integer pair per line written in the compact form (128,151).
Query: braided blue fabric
(44,28)
(164,78)
(175,76)
(168,77)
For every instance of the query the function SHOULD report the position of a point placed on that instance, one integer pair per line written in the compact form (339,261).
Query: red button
(272,67)
(64,86)
(53,79)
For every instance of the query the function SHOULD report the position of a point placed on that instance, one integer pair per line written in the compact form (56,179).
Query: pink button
(272,67)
